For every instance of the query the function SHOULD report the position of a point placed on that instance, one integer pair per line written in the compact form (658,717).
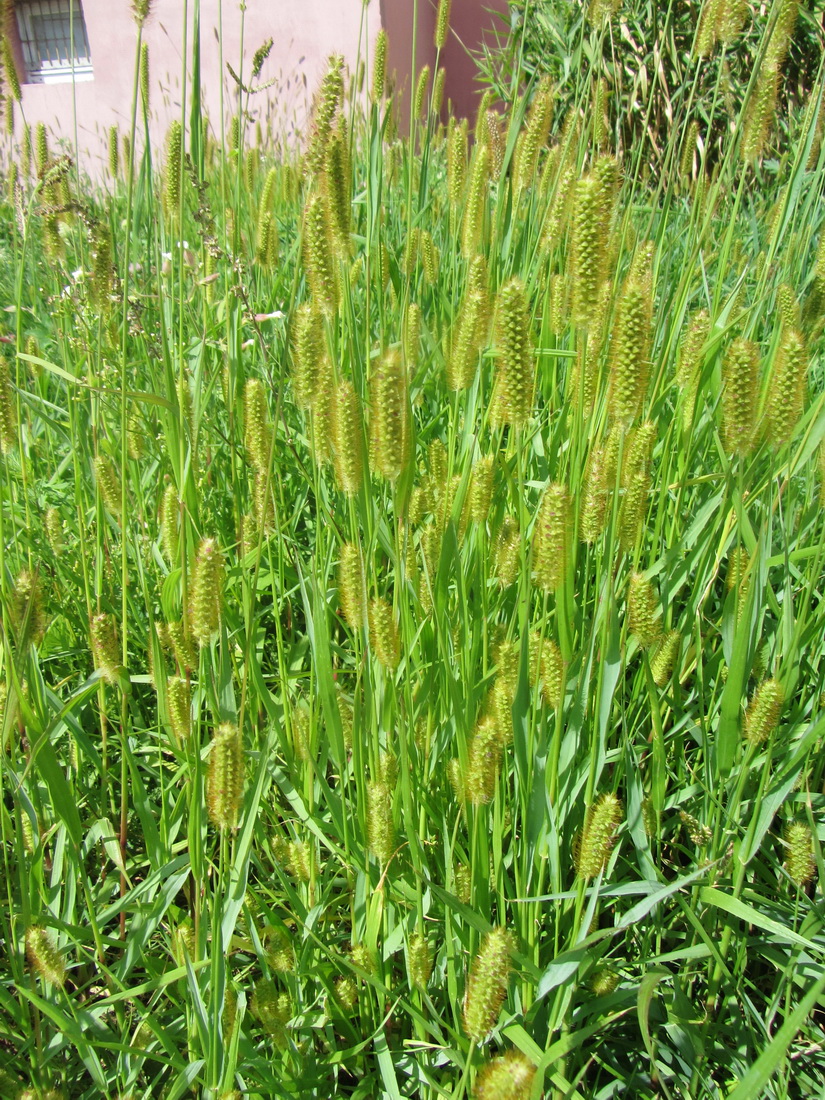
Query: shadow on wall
(472,24)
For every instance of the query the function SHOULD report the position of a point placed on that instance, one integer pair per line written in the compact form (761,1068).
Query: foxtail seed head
(761,114)
(179,705)
(347,431)
(598,835)
(318,255)
(763,711)
(144,76)
(473,225)
(664,658)
(412,336)
(421,91)
(10,68)
(420,961)
(326,104)
(630,352)
(442,24)
(105,650)
(588,249)
(596,496)
(380,827)
(108,484)
(487,984)
(512,399)
(44,957)
(551,538)
(689,366)
(507,1077)
(337,185)
(172,174)
(740,371)
(438,91)
(169,523)
(379,67)
(457,166)
(481,489)
(642,607)
(27,614)
(225,778)
(205,592)
(389,424)
(384,638)
(483,762)
(307,349)
(786,387)
(799,857)
(273,1009)
(463,359)
(505,560)
(257,429)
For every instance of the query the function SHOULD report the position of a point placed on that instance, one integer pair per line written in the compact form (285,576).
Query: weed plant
(412,581)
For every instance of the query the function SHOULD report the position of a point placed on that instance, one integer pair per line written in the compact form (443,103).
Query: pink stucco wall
(305,33)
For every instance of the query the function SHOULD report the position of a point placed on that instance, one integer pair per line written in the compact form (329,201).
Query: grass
(320,673)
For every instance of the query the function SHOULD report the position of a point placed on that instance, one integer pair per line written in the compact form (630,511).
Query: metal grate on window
(53,38)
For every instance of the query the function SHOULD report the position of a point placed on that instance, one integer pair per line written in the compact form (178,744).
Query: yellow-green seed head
(54,531)
(380,828)
(786,387)
(442,24)
(225,777)
(603,981)
(602,821)
(108,484)
(351,585)
(337,187)
(44,957)
(28,617)
(481,489)
(384,638)
(463,359)
(206,591)
(457,167)
(596,497)
(699,833)
(169,523)
(688,371)
(740,381)
(506,556)
(179,705)
(273,1009)
(412,336)
(761,114)
(551,538)
(588,256)
(642,608)
(41,149)
(182,647)
(257,428)
(327,101)
(318,260)
(438,91)
(473,225)
(389,421)
(420,963)
(483,762)
(347,430)
(487,984)
(12,80)
(664,658)
(307,350)
(512,400)
(172,174)
(630,352)
(429,257)
(788,306)
(144,76)
(105,649)
(494,136)
(799,856)
(764,711)
(421,91)
(379,67)
(507,1077)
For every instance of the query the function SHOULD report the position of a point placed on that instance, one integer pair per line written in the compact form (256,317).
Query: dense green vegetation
(413,638)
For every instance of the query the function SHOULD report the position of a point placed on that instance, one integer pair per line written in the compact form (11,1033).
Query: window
(53,40)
